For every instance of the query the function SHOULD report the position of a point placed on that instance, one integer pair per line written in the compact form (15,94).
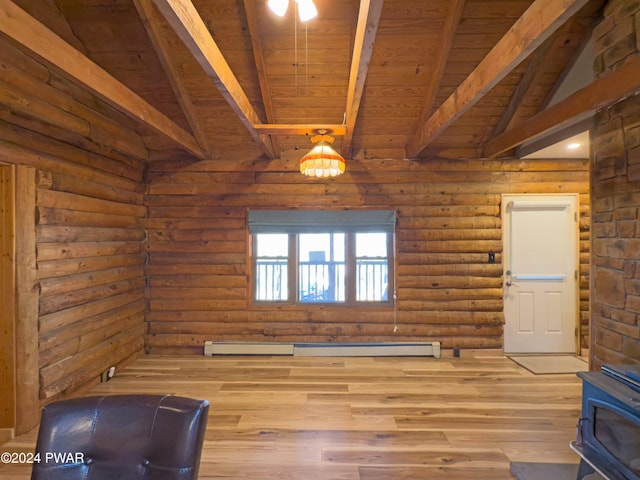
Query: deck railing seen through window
(322,281)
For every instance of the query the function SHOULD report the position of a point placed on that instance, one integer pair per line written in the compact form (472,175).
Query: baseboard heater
(412,349)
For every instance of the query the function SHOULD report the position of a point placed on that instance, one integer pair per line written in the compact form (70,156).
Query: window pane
(321,265)
(272,260)
(372,264)
(272,245)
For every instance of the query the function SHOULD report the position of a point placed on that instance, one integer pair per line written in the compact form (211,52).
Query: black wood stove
(608,434)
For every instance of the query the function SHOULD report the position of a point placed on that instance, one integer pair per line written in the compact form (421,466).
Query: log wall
(449,220)
(88,230)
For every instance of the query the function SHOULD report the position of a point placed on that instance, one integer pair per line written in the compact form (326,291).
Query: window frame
(350,274)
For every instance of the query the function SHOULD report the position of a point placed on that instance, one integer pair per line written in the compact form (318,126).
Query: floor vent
(412,349)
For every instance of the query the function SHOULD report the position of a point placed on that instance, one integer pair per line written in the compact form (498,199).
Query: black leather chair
(151,437)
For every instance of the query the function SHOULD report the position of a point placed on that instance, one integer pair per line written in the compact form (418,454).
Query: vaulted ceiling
(391,79)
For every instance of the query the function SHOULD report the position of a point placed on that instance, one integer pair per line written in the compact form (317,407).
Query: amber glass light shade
(322,160)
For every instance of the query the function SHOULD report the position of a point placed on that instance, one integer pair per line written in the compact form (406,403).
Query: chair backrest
(121,437)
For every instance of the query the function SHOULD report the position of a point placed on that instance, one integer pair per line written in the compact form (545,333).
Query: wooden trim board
(7,297)
(27,299)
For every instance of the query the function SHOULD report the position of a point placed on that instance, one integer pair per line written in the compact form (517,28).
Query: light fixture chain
(306,57)
(295,46)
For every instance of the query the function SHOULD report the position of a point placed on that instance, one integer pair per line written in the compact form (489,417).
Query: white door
(540,273)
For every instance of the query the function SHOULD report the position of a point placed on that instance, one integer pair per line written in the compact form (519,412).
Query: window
(320,257)
(372,267)
(321,267)
(272,267)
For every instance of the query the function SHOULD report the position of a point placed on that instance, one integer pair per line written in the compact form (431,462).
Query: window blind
(321,221)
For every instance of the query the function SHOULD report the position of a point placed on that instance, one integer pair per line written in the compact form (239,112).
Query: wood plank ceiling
(391,79)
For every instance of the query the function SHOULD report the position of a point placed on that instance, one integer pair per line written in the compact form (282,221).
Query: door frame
(506,252)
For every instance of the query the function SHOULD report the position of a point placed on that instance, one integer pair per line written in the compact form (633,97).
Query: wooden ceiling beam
(605,90)
(151,20)
(433,80)
(521,90)
(538,59)
(534,26)
(568,67)
(256,43)
(31,34)
(299,130)
(187,23)
(366,31)
(555,136)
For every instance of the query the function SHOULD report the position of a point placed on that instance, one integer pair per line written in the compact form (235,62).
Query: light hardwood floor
(360,418)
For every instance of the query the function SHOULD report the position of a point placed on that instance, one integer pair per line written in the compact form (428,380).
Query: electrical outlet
(108,374)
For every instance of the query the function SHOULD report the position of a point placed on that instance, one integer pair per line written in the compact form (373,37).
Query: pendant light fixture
(322,160)
(306,8)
